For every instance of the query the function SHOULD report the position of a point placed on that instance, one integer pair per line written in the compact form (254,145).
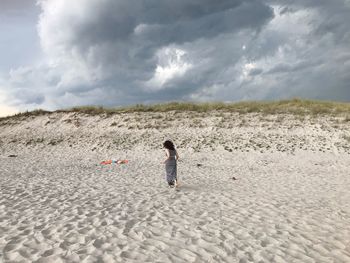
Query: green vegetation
(294,106)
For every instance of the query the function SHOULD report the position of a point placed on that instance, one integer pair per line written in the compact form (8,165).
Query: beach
(253,188)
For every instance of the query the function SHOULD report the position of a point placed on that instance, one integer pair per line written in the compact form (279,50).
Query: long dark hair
(169,145)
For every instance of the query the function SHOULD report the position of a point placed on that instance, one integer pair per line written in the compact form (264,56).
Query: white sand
(290,202)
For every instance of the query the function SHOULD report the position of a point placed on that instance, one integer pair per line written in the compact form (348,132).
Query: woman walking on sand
(171,163)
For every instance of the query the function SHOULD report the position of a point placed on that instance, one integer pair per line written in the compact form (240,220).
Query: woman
(171,163)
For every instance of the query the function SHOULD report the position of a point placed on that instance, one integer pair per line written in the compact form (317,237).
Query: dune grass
(294,106)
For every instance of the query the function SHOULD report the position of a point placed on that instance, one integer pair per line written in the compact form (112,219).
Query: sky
(60,53)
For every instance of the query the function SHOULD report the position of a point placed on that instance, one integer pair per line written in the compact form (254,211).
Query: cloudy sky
(62,53)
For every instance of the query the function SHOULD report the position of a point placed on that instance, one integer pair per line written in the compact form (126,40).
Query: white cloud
(171,64)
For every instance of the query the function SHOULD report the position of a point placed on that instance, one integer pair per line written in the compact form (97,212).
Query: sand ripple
(281,208)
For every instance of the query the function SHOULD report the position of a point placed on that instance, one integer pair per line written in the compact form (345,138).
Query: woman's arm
(177,156)
(167,155)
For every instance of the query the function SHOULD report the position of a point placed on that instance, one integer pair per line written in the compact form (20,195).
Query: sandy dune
(290,202)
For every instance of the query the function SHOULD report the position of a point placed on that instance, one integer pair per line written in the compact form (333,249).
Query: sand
(290,201)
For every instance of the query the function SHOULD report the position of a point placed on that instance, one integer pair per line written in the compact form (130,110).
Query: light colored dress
(171,167)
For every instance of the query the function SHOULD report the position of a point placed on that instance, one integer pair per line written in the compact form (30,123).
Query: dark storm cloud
(108,31)
(124,40)
(334,16)
(246,15)
(290,68)
(120,52)
(116,20)
(319,66)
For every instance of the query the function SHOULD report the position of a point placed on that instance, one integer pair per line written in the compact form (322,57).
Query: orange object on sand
(106,162)
(114,161)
